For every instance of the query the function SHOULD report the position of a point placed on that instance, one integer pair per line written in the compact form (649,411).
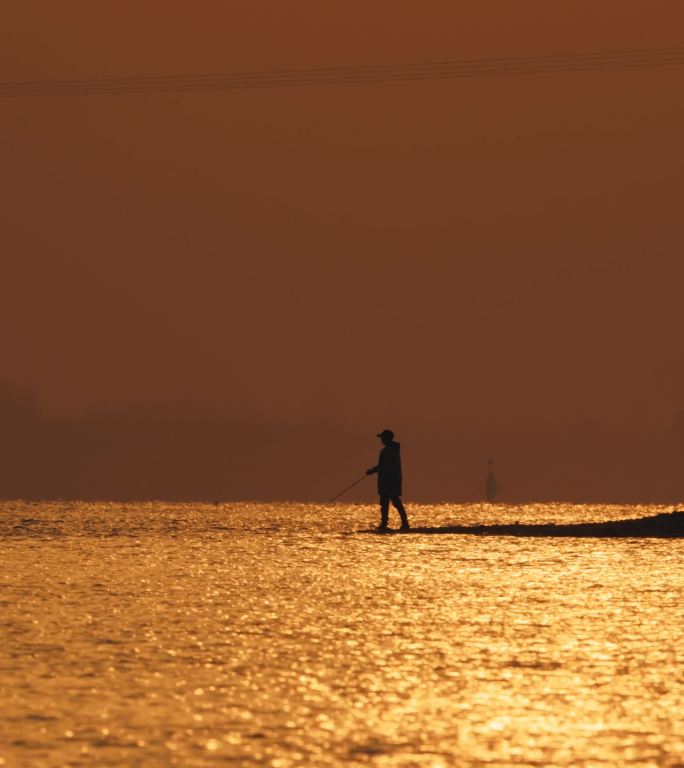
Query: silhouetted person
(490,483)
(388,470)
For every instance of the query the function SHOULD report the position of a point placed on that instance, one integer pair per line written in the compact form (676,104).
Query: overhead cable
(349,75)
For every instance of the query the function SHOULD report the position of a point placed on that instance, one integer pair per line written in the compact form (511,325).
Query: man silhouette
(388,470)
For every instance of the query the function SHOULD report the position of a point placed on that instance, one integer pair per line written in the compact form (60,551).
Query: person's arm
(373,470)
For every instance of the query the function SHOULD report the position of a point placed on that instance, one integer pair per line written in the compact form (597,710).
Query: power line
(350,75)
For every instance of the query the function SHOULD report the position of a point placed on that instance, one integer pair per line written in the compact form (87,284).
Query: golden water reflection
(278,635)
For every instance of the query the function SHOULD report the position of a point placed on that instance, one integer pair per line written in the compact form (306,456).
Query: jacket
(388,469)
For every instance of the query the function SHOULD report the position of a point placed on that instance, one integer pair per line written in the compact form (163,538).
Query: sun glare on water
(280,635)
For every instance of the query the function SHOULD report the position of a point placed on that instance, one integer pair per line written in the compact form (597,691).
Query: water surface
(279,635)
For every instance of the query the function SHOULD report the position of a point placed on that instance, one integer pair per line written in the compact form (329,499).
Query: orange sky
(495,251)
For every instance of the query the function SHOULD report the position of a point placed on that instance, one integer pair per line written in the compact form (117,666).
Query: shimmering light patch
(187,635)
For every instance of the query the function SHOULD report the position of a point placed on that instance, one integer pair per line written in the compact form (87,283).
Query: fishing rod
(344,490)
(349,487)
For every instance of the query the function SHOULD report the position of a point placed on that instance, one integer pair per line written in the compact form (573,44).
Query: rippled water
(279,635)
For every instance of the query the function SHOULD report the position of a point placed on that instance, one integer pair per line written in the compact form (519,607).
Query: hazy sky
(492,250)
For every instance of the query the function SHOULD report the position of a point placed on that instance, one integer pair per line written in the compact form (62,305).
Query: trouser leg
(399,506)
(384,510)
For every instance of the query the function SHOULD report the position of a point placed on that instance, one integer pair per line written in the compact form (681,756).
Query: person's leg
(399,506)
(384,511)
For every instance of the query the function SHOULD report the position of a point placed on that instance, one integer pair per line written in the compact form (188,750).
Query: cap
(386,433)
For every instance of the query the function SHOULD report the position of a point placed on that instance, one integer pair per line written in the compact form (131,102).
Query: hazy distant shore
(178,452)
